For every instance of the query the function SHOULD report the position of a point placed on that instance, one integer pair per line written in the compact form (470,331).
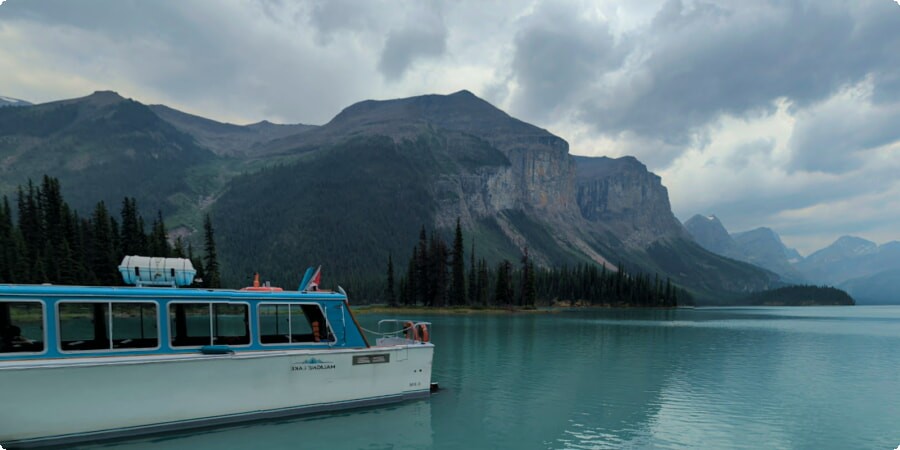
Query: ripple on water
(716,378)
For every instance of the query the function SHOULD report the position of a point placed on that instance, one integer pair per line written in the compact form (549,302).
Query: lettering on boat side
(312,364)
(372,359)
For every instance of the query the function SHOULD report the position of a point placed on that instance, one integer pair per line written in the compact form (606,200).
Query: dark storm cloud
(405,46)
(341,16)
(422,35)
(557,53)
(696,61)
(256,60)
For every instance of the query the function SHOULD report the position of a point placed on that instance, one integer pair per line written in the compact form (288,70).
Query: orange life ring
(424,332)
(411,332)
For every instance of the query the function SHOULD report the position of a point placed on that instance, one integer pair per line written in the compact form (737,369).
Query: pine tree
(389,289)
(132,233)
(529,296)
(458,265)
(437,271)
(483,283)
(473,277)
(503,294)
(422,283)
(102,261)
(32,235)
(412,279)
(7,243)
(159,243)
(211,261)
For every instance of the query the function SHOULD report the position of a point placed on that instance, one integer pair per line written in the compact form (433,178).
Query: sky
(783,114)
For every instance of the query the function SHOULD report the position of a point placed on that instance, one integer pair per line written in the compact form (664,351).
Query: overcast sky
(783,114)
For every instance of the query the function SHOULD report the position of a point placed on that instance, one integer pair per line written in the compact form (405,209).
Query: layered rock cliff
(624,196)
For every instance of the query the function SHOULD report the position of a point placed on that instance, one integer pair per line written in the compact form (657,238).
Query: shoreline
(462,310)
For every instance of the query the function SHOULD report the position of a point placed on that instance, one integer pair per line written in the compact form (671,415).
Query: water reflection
(400,426)
(704,378)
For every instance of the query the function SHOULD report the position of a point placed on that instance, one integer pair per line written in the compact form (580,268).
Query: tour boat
(81,363)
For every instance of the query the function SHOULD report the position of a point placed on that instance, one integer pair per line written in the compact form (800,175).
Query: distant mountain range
(348,193)
(868,271)
(9,101)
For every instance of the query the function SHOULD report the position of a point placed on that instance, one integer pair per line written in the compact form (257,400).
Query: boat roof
(49,290)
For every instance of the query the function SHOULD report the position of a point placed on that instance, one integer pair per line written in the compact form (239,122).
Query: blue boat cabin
(38,322)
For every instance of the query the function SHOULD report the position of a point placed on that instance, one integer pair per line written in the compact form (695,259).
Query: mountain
(763,247)
(225,139)
(847,258)
(866,270)
(627,198)
(880,288)
(709,232)
(103,147)
(352,191)
(9,101)
(397,164)
(862,267)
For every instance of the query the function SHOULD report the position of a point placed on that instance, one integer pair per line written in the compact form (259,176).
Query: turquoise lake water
(815,378)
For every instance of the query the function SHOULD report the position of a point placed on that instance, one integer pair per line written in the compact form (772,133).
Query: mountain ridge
(390,166)
(861,267)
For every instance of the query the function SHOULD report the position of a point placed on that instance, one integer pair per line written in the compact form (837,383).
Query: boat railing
(401,332)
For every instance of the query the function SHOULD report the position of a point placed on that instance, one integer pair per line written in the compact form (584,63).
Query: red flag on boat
(313,284)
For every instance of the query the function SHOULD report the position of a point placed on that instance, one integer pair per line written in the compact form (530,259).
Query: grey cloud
(711,60)
(329,17)
(416,40)
(742,155)
(254,60)
(695,62)
(557,53)
(835,138)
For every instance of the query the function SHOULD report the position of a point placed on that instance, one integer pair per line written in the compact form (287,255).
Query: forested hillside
(351,192)
(801,296)
(50,243)
(438,274)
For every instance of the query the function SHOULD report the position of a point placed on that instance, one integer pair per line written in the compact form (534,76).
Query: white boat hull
(63,401)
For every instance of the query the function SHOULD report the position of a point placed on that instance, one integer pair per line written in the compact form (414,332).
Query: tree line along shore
(46,241)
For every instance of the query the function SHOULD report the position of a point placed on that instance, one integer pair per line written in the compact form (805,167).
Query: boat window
(21,327)
(199,324)
(190,324)
(134,325)
(107,325)
(231,326)
(294,323)
(83,326)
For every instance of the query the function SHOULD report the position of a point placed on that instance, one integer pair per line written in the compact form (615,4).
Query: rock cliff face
(502,162)
(709,232)
(624,196)
(539,173)
(763,247)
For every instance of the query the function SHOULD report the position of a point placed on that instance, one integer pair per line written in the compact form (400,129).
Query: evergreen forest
(801,295)
(438,274)
(47,241)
